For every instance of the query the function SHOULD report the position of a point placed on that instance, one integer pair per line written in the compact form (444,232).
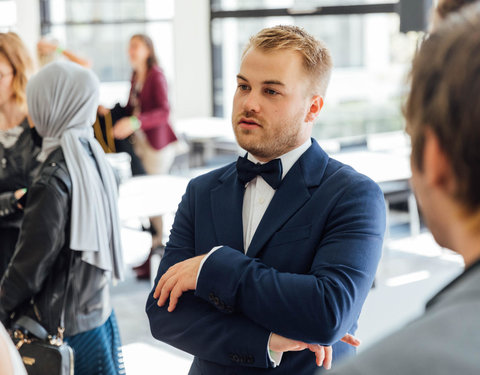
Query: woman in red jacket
(147,108)
(147,120)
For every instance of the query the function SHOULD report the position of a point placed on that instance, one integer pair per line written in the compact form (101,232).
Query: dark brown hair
(13,49)
(316,57)
(444,97)
(152,57)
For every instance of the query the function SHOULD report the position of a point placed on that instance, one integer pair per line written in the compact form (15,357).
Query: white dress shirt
(258,195)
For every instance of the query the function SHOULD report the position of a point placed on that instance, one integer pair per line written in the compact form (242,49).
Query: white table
(391,170)
(147,196)
(208,133)
(381,167)
(152,195)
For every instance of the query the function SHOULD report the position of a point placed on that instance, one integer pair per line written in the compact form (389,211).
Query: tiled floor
(411,271)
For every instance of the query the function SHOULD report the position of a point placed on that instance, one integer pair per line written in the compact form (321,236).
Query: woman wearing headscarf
(70,228)
(18,150)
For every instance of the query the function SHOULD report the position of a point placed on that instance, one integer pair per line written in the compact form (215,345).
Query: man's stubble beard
(270,146)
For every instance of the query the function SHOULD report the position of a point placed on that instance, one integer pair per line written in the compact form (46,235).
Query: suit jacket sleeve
(196,326)
(46,215)
(318,307)
(157,115)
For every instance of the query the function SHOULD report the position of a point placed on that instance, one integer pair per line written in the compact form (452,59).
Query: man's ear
(315,108)
(436,166)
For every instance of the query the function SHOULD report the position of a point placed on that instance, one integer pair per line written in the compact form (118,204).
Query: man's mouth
(246,122)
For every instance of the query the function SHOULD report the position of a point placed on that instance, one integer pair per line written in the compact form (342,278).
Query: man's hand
(179,278)
(351,340)
(323,354)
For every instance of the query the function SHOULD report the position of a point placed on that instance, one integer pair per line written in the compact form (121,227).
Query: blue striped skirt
(98,351)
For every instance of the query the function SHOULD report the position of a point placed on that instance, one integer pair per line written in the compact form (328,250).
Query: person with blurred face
(271,258)
(18,147)
(443,122)
(147,125)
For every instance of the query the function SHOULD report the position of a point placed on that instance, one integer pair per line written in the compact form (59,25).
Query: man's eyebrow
(273,82)
(267,82)
(239,76)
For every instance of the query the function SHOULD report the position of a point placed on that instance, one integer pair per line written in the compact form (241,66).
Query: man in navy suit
(271,258)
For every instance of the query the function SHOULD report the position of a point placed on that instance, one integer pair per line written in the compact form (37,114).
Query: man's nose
(252,102)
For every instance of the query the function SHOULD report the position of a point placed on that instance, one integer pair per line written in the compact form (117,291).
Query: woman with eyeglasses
(18,148)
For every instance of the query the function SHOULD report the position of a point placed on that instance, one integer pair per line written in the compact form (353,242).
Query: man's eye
(271,92)
(243,87)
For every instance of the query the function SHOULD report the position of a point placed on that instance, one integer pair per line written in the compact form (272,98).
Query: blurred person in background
(70,229)
(443,122)
(49,50)
(18,149)
(146,122)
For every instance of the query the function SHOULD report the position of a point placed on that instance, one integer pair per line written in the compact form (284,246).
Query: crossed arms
(239,301)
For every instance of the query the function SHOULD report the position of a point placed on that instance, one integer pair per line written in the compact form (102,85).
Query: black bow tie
(271,172)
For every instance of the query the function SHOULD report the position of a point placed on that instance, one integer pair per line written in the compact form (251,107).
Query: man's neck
(281,153)
(466,238)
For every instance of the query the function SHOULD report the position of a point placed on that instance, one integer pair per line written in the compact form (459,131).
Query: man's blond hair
(316,57)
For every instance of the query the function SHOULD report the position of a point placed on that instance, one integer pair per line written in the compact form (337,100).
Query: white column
(193,76)
(28,23)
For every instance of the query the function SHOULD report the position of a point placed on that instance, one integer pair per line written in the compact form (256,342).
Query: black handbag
(44,354)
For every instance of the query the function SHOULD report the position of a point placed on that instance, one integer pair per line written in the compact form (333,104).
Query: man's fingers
(159,287)
(327,362)
(170,272)
(319,353)
(167,288)
(175,294)
(351,340)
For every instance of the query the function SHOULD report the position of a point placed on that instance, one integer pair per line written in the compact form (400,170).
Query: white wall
(28,23)
(193,72)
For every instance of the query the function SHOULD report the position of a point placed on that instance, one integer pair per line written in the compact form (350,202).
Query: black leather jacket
(35,281)
(17,168)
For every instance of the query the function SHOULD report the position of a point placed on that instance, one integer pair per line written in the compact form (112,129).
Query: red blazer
(154,109)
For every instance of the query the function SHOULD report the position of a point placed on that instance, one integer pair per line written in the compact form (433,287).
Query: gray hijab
(62,102)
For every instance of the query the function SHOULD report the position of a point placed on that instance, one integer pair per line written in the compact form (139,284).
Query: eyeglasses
(4,75)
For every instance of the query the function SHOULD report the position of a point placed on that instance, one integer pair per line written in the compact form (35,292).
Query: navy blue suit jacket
(307,272)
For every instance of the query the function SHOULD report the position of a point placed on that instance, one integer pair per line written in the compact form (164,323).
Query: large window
(100,31)
(371,57)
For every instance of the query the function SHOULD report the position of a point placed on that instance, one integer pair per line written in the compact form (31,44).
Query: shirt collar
(288,159)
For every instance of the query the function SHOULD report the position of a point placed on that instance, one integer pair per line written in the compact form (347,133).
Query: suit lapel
(288,199)
(292,194)
(227,203)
